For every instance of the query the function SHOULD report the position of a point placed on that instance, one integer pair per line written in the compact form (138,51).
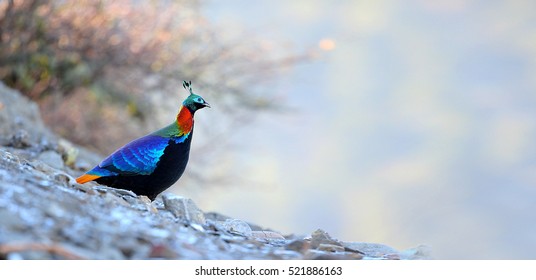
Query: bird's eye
(199,100)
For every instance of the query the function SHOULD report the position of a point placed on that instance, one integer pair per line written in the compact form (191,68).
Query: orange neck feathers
(185,120)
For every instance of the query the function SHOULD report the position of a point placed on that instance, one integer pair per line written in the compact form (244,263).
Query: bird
(151,164)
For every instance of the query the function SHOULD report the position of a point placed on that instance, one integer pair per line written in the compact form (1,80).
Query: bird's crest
(188,86)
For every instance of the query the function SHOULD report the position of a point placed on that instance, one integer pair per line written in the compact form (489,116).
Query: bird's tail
(86,178)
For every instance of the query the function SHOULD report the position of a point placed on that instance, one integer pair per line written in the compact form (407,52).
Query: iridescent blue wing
(139,157)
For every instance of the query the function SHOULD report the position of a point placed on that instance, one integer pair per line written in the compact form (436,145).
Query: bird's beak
(206,104)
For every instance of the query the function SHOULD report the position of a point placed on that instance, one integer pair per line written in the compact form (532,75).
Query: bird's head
(194,102)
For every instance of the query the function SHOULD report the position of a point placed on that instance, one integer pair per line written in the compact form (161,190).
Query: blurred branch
(103,66)
(6,249)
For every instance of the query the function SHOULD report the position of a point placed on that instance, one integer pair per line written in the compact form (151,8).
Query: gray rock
(183,208)
(20,140)
(381,251)
(87,188)
(222,218)
(51,158)
(371,249)
(237,226)
(20,118)
(55,210)
(141,203)
(266,234)
(298,245)
(321,237)
(117,192)
(330,248)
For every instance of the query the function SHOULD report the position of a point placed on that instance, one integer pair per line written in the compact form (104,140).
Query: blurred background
(401,123)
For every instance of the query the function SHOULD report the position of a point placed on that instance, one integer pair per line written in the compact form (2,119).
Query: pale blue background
(419,127)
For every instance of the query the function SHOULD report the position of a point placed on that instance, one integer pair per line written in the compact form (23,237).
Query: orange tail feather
(86,178)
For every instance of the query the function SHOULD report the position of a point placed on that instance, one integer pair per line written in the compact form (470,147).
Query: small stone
(299,245)
(214,216)
(43,167)
(183,208)
(421,252)
(82,165)
(159,233)
(63,178)
(265,234)
(55,210)
(51,158)
(118,192)
(123,192)
(87,188)
(144,199)
(21,140)
(197,227)
(370,249)
(353,256)
(142,203)
(321,237)
(330,248)
(237,226)
(158,203)
(233,238)
(72,181)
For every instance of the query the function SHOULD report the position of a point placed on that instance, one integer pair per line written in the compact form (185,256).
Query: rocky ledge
(45,214)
